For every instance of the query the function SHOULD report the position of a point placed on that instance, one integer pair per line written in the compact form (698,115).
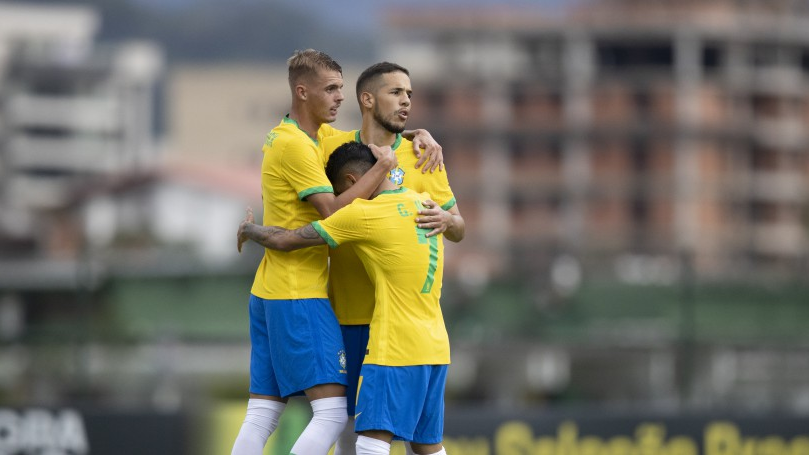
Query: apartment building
(76,119)
(637,137)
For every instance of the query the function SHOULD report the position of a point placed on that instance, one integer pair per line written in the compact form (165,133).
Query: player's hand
(385,155)
(241,235)
(433,217)
(432,157)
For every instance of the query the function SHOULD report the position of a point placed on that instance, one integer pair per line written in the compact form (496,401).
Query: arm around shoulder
(328,203)
(449,222)
(456,230)
(276,237)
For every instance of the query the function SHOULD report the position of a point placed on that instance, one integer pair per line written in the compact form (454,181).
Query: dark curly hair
(354,157)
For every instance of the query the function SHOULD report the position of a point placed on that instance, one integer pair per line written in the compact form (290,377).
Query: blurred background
(633,176)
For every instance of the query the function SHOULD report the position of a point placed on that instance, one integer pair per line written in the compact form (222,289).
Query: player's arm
(328,203)
(275,237)
(433,156)
(450,222)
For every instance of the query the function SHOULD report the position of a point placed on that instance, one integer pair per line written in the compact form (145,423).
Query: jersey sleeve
(302,167)
(343,226)
(439,189)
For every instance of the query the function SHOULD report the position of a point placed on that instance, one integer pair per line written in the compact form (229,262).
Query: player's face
(325,94)
(392,101)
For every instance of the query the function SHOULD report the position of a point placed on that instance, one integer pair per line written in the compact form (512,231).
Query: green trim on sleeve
(325,235)
(449,204)
(314,190)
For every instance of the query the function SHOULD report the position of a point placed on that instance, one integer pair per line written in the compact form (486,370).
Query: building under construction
(644,139)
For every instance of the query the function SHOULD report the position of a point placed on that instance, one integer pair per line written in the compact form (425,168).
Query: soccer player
(296,341)
(401,387)
(384,94)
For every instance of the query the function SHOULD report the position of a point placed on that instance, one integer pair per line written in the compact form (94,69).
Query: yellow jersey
(350,290)
(291,170)
(406,269)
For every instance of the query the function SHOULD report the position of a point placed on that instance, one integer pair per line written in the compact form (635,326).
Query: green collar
(286,119)
(401,189)
(395,145)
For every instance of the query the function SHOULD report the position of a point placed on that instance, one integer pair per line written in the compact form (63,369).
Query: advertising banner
(478,432)
(69,431)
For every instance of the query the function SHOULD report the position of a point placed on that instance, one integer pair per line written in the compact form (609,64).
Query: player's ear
(367,100)
(351,180)
(300,92)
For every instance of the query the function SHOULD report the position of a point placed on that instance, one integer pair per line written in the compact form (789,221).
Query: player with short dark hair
(384,94)
(296,342)
(401,387)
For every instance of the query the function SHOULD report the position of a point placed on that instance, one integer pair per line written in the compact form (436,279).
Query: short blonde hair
(306,63)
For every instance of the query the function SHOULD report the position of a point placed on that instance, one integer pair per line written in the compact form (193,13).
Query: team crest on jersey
(270,138)
(341,356)
(397,176)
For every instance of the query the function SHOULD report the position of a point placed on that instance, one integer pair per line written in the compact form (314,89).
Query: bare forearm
(328,203)
(278,238)
(449,222)
(456,229)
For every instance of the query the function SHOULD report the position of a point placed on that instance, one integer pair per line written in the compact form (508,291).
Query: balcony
(779,187)
(780,239)
(40,191)
(90,115)
(68,154)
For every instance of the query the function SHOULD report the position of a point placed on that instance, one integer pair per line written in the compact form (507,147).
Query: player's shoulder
(406,155)
(411,194)
(403,147)
(405,143)
(327,130)
(287,138)
(285,130)
(329,143)
(421,195)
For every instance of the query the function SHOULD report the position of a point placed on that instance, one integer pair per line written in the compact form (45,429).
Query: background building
(76,118)
(648,143)
(640,137)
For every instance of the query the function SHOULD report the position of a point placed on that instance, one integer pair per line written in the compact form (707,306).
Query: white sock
(260,421)
(371,446)
(328,420)
(409,451)
(347,442)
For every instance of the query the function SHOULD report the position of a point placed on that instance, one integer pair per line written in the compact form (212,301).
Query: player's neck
(305,122)
(372,133)
(386,185)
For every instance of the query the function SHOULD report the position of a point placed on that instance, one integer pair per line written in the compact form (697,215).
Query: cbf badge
(341,356)
(397,176)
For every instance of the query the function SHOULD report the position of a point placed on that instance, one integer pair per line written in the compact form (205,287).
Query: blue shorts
(355,339)
(296,344)
(406,401)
